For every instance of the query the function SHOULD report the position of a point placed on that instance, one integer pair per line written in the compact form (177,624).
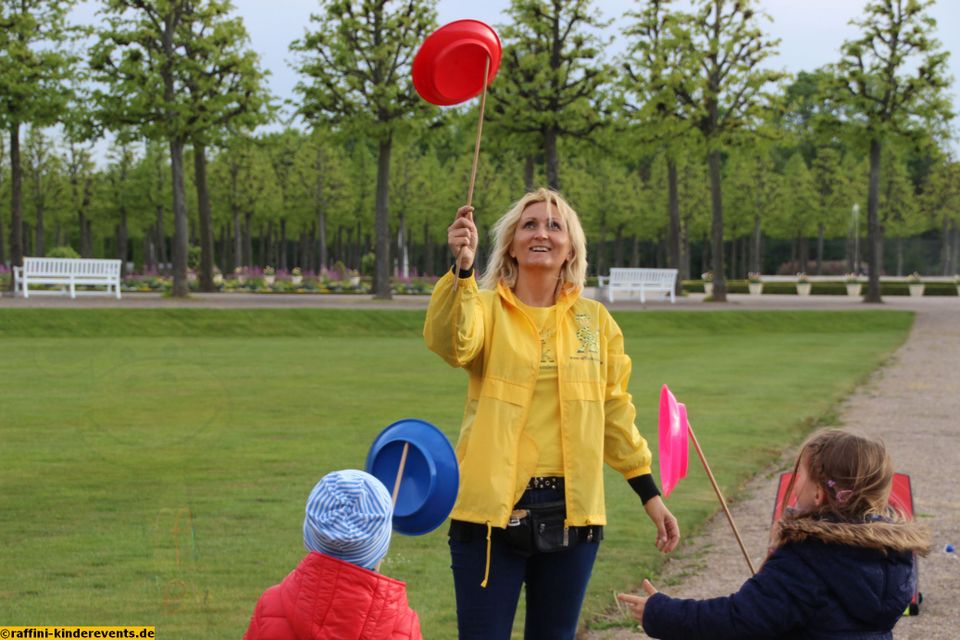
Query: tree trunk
(16,214)
(873,227)
(716,205)
(881,248)
(225,258)
(820,233)
(704,255)
(848,249)
(618,247)
(321,238)
(804,253)
(311,255)
(634,251)
(237,238)
(206,218)
(180,287)
(303,253)
(403,247)
(955,254)
(161,242)
(282,244)
(602,249)
(149,259)
(552,159)
(685,265)
(945,246)
(427,250)
(673,214)
(247,260)
(382,289)
(3,255)
(269,248)
(123,240)
(82,230)
(899,250)
(952,265)
(745,254)
(40,245)
(340,252)
(86,227)
(734,256)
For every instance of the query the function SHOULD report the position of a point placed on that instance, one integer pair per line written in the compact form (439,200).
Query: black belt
(462,531)
(546,482)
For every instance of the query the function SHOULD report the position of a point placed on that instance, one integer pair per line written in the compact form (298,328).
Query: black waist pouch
(539,528)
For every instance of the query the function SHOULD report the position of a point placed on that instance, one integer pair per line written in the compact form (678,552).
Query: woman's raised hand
(462,237)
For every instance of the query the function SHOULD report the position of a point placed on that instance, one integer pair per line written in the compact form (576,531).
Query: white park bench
(68,272)
(640,280)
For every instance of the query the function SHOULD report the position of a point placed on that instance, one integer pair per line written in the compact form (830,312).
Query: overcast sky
(811,31)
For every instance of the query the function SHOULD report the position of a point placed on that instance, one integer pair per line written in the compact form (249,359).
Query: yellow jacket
(486,333)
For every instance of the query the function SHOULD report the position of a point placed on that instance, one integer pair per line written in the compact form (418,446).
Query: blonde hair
(503,267)
(853,471)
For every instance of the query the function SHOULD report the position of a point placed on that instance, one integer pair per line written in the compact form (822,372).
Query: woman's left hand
(668,531)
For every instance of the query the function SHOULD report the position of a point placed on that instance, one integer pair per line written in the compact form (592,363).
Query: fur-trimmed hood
(882,535)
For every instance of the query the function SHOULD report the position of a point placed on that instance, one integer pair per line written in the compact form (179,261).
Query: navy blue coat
(815,586)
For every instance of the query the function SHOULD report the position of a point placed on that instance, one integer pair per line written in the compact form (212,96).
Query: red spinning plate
(448,68)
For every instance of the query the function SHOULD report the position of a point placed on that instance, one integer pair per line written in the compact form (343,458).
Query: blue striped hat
(349,516)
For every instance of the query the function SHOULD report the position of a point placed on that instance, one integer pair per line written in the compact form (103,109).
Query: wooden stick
(476,156)
(723,503)
(403,463)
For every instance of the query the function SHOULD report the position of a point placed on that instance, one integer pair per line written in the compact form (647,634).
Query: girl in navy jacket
(840,565)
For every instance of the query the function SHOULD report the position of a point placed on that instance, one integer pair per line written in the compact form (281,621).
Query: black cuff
(464,273)
(645,487)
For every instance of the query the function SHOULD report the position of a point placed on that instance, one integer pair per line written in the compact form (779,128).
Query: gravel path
(913,403)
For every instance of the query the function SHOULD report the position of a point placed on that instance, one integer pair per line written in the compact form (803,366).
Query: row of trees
(307,199)
(685,137)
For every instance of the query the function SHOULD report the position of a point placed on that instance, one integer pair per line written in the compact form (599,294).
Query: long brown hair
(855,473)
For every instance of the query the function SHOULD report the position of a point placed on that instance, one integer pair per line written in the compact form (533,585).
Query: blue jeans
(556,584)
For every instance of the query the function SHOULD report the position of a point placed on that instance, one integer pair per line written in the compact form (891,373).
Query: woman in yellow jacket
(547,404)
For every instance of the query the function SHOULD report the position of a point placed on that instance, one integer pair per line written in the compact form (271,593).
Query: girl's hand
(637,604)
(668,531)
(462,237)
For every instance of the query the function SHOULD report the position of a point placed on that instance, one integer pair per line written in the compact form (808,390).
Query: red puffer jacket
(328,599)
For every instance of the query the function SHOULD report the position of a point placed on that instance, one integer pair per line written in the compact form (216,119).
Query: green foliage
(36,63)
(357,63)
(193,257)
(894,75)
(367,263)
(62,252)
(550,84)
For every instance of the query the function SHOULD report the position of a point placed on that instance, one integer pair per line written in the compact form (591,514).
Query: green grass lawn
(155,463)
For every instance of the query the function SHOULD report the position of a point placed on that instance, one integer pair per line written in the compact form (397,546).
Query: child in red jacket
(336,593)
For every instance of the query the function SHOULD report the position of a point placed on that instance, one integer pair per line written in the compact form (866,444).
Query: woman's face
(541,242)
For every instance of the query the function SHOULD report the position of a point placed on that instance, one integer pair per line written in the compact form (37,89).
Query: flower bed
(281,283)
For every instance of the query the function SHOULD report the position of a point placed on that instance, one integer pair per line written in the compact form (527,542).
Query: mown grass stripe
(156,323)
